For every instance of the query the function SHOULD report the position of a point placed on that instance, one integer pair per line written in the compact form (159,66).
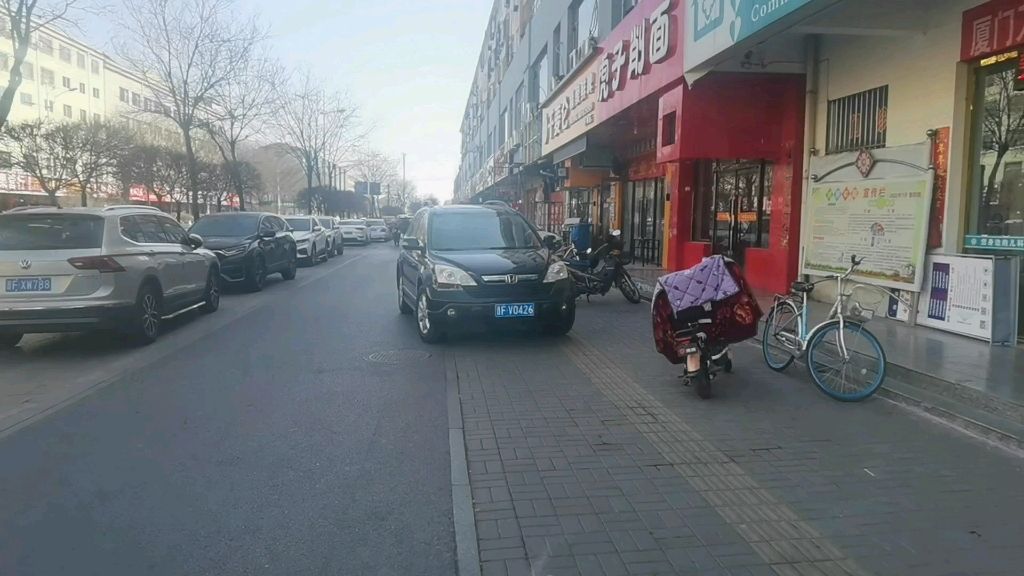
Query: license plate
(29,285)
(513,310)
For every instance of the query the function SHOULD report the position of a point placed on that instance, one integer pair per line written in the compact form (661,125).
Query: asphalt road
(264,442)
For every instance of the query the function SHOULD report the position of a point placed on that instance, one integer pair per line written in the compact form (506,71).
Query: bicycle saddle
(803,287)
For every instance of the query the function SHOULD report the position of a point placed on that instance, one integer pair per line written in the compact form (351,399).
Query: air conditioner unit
(574,59)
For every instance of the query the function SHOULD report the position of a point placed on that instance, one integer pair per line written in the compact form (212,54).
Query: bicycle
(786,328)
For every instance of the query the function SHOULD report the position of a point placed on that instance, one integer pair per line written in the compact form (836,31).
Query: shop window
(998,154)
(644,220)
(668,129)
(857,121)
(732,204)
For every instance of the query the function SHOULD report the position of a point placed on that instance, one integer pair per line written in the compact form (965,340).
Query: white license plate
(513,310)
(29,285)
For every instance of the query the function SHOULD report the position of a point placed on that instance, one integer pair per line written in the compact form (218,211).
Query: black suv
(481,265)
(249,245)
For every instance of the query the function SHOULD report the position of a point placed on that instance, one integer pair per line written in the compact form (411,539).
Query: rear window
(299,224)
(50,231)
(226,225)
(353,223)
(375,223)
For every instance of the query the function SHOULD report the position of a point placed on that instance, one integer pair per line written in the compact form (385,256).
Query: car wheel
(341,248)
(562,325)
(293,267)
(312,255)
(148,315)
(403,306)
(212,299)
(9,341)
(330,253)
(366,242)
(257,274)
(428,331)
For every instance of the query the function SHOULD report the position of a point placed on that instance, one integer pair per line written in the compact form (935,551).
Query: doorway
(644,222)
(741,217)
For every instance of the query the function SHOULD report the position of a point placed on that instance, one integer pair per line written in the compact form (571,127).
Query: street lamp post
(403,177)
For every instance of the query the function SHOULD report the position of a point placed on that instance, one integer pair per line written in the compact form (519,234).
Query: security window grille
(858,121)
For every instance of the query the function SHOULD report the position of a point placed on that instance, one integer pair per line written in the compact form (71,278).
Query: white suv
(121,267)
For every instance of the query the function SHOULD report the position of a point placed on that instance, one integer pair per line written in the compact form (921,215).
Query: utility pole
(403,192)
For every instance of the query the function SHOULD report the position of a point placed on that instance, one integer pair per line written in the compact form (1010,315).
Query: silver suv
(126,268)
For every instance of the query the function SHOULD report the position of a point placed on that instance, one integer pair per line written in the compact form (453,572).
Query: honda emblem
(26,264)
(511,279)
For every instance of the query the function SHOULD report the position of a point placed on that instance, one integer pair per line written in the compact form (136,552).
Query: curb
(467,552)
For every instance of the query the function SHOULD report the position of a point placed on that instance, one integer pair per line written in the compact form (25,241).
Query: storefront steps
(960,380)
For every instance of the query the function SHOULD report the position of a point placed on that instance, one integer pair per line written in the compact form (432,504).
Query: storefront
(643,211)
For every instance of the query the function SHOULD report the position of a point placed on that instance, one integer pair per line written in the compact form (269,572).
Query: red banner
(992,28)
(940,158)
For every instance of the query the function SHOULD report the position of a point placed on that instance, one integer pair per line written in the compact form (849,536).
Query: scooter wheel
(727,365)
(702,382)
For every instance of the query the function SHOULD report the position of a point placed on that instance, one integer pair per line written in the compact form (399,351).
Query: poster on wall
(882,221)
(957,295)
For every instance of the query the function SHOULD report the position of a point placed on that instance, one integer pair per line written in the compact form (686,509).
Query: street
(267,439)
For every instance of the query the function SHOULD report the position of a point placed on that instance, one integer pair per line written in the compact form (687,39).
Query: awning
(569,150)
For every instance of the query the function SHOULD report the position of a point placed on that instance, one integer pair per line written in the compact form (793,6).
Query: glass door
(742,207)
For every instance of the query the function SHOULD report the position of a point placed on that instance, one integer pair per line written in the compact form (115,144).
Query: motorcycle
(600,270)
(704,359)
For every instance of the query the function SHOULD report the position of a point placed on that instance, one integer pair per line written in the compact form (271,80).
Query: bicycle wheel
(849,379)
(782,318)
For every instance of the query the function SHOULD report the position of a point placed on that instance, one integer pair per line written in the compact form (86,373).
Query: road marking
(335,269)
(772,528)
(869,472)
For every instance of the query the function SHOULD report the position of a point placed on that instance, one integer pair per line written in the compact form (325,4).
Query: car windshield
(50,231)
(481,230)
(226,225)
(299,224)
(375,223)
(353,223)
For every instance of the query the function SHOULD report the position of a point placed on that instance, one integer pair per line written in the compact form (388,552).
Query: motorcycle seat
(803,287)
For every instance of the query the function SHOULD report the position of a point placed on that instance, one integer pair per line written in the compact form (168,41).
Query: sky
(408,64)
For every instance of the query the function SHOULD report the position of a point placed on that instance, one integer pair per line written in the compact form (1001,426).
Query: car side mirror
(412,243)
(195,240)
(318,228)
(550,242)
(268,234)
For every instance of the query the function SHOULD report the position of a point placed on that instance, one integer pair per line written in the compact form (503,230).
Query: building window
(80,60)
(46,45)
(502,123)
(124,97)
(95,92)
(81,87)
(46,77)
(6,160)
(539,79)
(28,71)
(48,105)
(136,99)
(26,98)
(83,115)
(65,54)
(858,121)
(66,82)
(148,105)
(95,66)
(67,111)
(96,118)
(556,52)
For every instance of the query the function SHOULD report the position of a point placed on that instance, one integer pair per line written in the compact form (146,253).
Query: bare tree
(20,20)
(318,128)
(189,49)
(41,150)
(376,166)
(240,107)
(171,172)
(97,146)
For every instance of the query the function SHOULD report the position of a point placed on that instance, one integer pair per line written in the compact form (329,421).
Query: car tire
(312,255)
(148,316)
(329,254)
(211,298)
(403,306)
(366,242)
(9,341)
(341,248)
(257,275)
(427,330)
(292,268)
(561,325)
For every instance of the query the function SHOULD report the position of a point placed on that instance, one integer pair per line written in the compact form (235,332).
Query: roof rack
(23,208)
(131,207)
(496,203)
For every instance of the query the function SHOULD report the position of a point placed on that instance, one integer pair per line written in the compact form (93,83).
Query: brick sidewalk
(587,456)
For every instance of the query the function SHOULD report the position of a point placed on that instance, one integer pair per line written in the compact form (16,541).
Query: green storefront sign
(994,242)
(715,25)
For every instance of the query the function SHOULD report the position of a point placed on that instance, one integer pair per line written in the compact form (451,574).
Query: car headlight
(451,278)
(234,250)
(556,271)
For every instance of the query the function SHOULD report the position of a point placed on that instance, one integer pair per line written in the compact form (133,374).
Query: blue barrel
(580,236)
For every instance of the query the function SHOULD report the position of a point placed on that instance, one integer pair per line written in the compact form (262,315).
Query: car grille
(521,291)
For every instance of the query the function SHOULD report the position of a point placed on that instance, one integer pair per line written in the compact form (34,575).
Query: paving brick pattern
(587,456)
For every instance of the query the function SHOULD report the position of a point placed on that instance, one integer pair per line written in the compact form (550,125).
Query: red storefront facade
(744,126)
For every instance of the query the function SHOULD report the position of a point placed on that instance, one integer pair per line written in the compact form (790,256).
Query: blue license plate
(29,284)
(513,310)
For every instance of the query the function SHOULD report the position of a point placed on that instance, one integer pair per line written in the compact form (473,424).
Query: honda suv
(121,267)
(468,266)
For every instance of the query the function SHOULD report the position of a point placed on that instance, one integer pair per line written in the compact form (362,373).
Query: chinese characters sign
(992,28)
(940,158)
(571,113)
(649,42)
(715,25)
(883,221)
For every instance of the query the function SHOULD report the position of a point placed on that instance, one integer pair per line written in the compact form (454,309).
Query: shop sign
(883,221)
(940,159)
(572,112)
(716,25)
(991,28)
(957,295)
(994,242)
(649,40)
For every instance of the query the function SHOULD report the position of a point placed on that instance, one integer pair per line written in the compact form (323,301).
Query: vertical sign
(940,158)
(938,295)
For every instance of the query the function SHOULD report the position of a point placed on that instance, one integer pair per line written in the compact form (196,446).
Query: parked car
(310,239)
(335,244)
(127,268)
(467,265)
(354,231)
(250,246)
(376,229)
